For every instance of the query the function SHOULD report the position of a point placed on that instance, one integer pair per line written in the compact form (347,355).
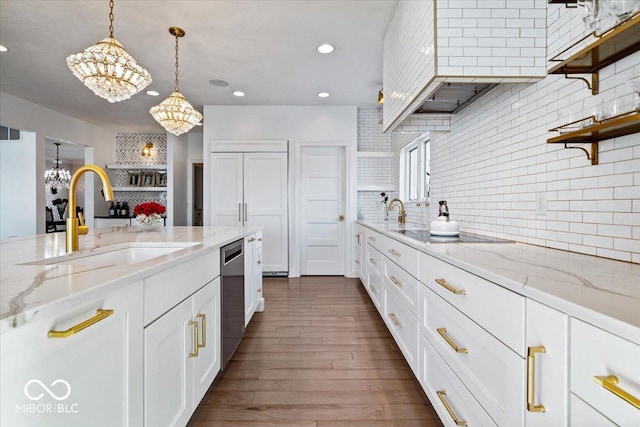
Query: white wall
(18,195)
(177,152)
(333,125)
(45,123)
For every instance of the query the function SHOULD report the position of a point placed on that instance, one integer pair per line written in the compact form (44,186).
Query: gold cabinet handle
(394,252)
(373,289)
(443,334)
(100,315)
(341,218)
(531,378)
(395,281)
(373,261)
(203,330)
(442,396)
(609,382)
(260,239)
(253,239)
(259,261)
(239,212)
(358,238)
(450,288)
(259,290)
(194,353)
(395,320)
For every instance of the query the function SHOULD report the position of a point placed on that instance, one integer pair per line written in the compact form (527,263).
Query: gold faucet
(402,214)
(76,226)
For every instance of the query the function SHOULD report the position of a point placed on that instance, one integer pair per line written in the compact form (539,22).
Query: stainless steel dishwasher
(232,301)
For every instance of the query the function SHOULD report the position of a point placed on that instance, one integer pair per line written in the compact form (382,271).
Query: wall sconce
(146,150)
(380,97)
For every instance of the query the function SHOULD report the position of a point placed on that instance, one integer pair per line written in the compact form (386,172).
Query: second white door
(322,174)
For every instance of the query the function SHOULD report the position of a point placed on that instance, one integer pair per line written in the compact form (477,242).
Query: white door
(266,204)
(322,173)
(226,188)
(206,305)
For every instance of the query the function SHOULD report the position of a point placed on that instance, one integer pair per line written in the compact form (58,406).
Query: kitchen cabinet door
(547,366)
(168,383)
(206,310)
(257,273)
(88,376)
(227,202)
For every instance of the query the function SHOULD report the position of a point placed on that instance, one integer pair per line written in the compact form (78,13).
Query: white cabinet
(605,373)
(547,366)
(182,357)
(359,250)
(251,189)
(253,300)
(76,364)
(583,415)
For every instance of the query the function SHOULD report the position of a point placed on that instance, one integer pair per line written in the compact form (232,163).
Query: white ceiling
(265,48)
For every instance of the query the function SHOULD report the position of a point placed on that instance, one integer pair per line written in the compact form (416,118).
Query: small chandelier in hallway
(56,177)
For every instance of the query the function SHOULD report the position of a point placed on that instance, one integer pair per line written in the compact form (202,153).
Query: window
(414,170)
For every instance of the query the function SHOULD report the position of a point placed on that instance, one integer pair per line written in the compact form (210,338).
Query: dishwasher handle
(232,252)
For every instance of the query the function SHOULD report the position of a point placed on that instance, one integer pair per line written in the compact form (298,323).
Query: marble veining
(26,288)
(600,291)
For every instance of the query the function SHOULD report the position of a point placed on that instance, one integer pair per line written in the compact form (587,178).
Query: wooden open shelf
(624,124)
(609,47)
(563,1)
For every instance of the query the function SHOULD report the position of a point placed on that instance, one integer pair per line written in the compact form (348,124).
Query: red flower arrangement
(148,213)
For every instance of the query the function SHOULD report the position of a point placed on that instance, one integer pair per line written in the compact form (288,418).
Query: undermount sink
(124,254)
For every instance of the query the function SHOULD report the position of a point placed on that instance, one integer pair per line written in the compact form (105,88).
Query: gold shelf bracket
(593,85)
(593,155)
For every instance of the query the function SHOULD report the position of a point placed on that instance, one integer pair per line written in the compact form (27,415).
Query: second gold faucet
(402,214)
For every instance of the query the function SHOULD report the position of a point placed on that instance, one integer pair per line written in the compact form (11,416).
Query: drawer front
(498,310)
(403,326)
(492,372)
(374,289)
(583,415)
(375,239)
(403,255)
(165,289)
(375,261)
(596,353)
(435,376)
(405,285)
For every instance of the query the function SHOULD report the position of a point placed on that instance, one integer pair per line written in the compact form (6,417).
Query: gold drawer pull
(260,239)
(531,378)
(443,334)
(100,315)
(253,239)
(259,290)
(203,329)
(195,338)
(394,252)
(259,262)
(373,289)
(395,320)
(450,288)
(358,237)
(441,396)
(609,383)
(373,261)
(395,281)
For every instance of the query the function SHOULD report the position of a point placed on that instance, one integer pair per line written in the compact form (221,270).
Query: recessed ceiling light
(323,94)
(152,93)
(3,49)
(238,93)
(218,83)
(325,48)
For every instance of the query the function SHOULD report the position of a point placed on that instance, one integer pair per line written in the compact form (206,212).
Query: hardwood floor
(318,356)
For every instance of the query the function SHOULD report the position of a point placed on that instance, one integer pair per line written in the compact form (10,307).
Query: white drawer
(405,285)
(492,372)
(498,310)
(165,289)
(583,415)
(596,353)
(403,325)
(375,239)
(374,289)
(435,376)
(403,255)
(375,260)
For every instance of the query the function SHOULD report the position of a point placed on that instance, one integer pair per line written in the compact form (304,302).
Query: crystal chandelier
(56,177)
(108,70)
(175,114)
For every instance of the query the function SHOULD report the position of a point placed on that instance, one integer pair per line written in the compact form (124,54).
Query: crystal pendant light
(108,70)
(56,177)
(175,114)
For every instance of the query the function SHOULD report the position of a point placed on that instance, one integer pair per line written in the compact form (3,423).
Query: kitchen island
(507,333)
(125,331)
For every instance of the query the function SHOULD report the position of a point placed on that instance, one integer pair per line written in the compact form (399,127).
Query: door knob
(341,218)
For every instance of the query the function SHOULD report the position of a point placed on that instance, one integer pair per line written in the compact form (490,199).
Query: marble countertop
(25,289)
(600,291)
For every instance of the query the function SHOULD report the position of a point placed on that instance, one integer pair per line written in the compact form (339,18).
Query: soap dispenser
(443,225)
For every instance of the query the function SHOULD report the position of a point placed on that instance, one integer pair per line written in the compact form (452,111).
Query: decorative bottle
(118,208)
